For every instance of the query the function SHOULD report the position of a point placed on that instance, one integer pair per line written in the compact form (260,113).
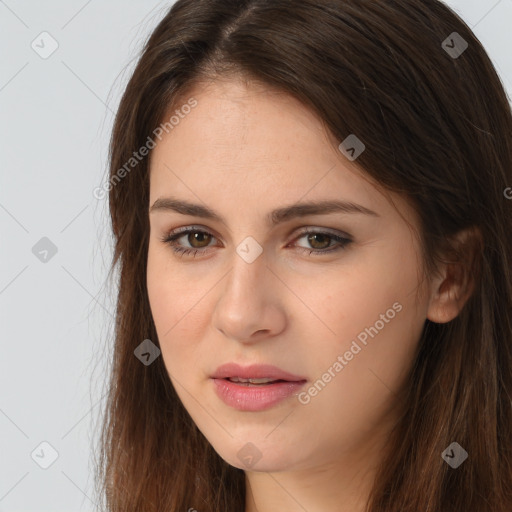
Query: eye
(317,239)
(200,239)
(197,238)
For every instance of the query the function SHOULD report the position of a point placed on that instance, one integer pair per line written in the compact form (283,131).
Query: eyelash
(171,238)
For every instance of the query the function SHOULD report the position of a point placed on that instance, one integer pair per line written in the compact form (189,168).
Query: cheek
(170,294)
(354,394)
(178,302)
(372,316)
(354,297)
(181,309)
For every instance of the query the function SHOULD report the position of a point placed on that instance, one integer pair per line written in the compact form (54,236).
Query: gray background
(55,119)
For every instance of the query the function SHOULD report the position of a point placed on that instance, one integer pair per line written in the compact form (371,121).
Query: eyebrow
(275,217)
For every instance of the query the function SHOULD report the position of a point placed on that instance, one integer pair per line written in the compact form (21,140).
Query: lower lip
(255,398)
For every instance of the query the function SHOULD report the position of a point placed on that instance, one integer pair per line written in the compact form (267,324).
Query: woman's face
(344,321)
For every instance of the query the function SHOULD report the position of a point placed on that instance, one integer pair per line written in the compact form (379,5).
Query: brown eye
(199,238)
(318,240)
(322,242)
(195,241)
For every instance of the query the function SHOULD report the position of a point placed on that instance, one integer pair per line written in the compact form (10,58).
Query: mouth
(255,374)
(255,382)
(256,387)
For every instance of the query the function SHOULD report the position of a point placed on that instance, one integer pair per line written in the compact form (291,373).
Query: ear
(455,281)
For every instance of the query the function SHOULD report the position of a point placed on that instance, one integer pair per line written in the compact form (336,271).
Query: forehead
(249,145)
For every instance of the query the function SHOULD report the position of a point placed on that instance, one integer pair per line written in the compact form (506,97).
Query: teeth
(251,381)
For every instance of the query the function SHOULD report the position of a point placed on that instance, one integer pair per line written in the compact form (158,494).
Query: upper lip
(255,371)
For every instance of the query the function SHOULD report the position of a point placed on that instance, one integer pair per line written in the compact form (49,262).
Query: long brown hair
(437,129)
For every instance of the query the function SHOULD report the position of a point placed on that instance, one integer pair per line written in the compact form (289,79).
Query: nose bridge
(246,303)
(247,273)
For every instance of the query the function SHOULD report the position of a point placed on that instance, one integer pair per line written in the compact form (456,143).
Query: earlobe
(456,282)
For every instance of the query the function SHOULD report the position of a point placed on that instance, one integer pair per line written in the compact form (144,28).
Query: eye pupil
(312,241)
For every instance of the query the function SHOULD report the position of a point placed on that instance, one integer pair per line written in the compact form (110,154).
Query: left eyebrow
(275,217)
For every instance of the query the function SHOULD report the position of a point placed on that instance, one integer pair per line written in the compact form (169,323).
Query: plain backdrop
(56,113)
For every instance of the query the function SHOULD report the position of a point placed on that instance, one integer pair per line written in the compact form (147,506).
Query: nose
(249,308)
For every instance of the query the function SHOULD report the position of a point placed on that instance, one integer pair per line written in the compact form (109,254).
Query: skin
(243,151)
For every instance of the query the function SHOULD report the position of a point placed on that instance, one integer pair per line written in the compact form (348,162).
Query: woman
(313,237)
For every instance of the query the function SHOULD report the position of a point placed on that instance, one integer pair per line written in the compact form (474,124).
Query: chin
(263,465)
(258,455)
